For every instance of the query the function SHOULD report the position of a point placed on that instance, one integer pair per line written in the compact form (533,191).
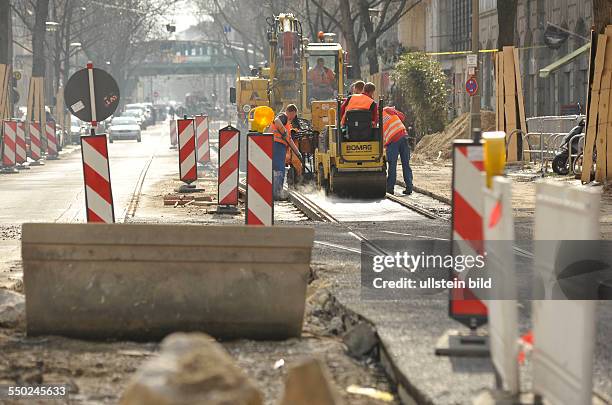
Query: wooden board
(520,100)
(510,100)
(602,125)
(593,109)
(608,59)
(497,87)
(500,93)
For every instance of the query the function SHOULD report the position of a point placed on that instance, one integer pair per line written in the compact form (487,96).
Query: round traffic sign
(17,75)
(78,101)
(156,94)
(471,86)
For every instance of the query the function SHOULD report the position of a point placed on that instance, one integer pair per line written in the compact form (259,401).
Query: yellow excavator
(312,76)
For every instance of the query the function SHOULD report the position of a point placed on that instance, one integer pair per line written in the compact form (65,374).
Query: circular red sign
(156,94)
(471,86)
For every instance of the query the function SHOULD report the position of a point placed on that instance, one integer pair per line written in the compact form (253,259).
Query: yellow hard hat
(262,118)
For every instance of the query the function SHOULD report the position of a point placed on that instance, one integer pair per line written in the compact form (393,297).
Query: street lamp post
(475,122)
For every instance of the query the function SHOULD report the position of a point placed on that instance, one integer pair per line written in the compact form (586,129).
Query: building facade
(444,27)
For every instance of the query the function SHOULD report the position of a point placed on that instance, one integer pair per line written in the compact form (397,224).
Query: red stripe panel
(225,136)
(231,198)
(265,143)
(467,222)
(97,183)
(260,183)
(99,144)
(228,167)
(92,217)
(464,302)
(252,219)
(191,175)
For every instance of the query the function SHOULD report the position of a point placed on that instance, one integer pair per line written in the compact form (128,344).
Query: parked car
(77,129)
(124,127)
(138,114)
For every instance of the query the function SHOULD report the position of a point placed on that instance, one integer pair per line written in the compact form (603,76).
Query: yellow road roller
(350,160)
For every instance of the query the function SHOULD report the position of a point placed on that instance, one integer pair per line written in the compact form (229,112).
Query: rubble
(360,340)
(191,369)
(308,384)
(12,309)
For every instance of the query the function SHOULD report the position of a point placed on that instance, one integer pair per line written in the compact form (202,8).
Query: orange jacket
(321,77)
(278,136)
(360,102)
(393,128)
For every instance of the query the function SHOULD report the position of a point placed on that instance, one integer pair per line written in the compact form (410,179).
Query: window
(322,77)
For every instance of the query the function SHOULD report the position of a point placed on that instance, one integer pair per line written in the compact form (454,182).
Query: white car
(138,114)
(124,128)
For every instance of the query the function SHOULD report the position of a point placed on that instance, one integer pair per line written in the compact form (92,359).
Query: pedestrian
(395,138)
(281,128)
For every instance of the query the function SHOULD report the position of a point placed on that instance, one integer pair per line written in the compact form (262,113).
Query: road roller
(349,161)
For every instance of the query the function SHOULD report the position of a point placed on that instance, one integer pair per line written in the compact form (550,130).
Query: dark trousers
(398,148)
(278,168)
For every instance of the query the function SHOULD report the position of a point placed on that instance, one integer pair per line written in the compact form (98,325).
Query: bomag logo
(364,147)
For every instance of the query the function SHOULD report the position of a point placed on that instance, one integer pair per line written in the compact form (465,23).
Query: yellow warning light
(494,154)
(262,117)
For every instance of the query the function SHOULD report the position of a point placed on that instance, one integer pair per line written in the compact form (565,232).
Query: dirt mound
(431,145)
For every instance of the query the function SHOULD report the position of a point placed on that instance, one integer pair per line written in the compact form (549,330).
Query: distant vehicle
(138,114)
(124,128)
(147,111)
(77,129)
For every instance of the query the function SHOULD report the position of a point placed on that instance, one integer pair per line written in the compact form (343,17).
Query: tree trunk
(602,12)
(5,32)
(364,15)
(506,21)
(67,39)
(38,38)
(349,36)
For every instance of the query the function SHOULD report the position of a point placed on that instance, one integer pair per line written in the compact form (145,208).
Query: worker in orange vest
(361,101)
(395,138)
(281,128)
(321,79)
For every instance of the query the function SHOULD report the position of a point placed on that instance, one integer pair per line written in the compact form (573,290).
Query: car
(124,128)
(77,129)
(138,114)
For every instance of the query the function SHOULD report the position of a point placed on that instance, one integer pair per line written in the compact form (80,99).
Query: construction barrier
(20,144)
(173,134)
(260,202)
(564,331)
(52,144)
(96,174)
(503,311)
(9,144)
(467,225)
(187,155)
(229,146)
(144,281)
(35,141)
(202,138)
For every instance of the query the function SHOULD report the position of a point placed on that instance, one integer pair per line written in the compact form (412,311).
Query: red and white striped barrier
(173,134)
(52,144)
(229,146)
(467,225)
(96,173)
(502,303)
(9,154)
(260,202)
(187,155)
(20,145)
(36,150)
(202,138)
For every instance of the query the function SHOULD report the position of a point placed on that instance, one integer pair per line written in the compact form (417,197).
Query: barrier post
(173,134)
(259,197)
(9,145)
(52,146)
(187,154)
(466,239)
(36,150)
(227,179)
(96,176)
(564,331)
(20,146)
(202,139)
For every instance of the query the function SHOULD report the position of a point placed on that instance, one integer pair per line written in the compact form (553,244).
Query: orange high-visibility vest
(357,102)
(393,128)
(278,137)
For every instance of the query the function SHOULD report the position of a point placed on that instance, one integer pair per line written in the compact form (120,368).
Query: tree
(41,12)
(602,14)
(506,20)
(422,85)
(5,32)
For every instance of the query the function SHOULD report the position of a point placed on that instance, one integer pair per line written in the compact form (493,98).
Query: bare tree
(602,14)
(5,32)
(41,11)
(506,21)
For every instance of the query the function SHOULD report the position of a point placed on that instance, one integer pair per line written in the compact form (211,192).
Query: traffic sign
(472,60)
(17,75)
(156,94)
(77,95)
(471,86)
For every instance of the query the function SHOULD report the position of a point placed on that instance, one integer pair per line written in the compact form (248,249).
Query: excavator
(311,75)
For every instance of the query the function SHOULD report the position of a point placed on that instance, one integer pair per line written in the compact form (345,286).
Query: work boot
(407,192)
(391,191)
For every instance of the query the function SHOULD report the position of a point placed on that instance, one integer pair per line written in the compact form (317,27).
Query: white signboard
(472,60)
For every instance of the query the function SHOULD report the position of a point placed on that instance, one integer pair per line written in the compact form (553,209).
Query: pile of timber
(597,150)
(6,74)
(510,106)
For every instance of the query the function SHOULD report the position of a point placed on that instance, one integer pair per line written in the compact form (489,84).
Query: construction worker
(395,138)
(281,128)
(356,88)
(361,101)
(321,79)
